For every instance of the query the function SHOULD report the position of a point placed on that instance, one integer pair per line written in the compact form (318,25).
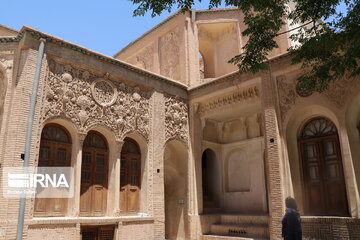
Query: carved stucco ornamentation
(287,94)
(339,91)
(176,115)
(88,101)
(146,57)
(104,92)
(169,55)
(248,94)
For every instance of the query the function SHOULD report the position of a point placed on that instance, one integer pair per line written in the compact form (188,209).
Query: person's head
(290,203)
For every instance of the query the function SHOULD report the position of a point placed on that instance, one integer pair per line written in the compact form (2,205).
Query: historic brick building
(168,140)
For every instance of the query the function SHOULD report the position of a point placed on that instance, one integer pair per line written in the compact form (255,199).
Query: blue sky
(102,26)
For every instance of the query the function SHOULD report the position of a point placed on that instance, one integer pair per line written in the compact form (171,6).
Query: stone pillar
(273,159)
(116,194)
(157,143)
(77,173)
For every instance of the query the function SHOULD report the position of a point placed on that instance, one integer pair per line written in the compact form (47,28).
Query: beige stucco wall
(172,47)
(261,114)
(58,67)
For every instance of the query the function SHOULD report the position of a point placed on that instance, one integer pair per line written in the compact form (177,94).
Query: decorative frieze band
(244,95)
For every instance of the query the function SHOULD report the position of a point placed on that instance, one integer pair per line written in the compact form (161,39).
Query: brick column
(273,161)
(157,143)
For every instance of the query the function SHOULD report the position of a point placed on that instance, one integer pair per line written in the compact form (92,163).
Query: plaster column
(116,175)
(273,157)
(77,173)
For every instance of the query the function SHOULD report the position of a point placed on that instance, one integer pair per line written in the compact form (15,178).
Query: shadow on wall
(175,180)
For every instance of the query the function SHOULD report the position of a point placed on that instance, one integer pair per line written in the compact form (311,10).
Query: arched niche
(176,191)
(210,132)
(211,179)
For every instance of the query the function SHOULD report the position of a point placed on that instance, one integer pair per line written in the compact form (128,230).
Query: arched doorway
(211,181)
(130,170)
(175,184)
(94,175)
(322,170)
(55,151)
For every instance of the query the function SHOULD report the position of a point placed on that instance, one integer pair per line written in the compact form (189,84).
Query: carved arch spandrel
(176,119)
(89,100)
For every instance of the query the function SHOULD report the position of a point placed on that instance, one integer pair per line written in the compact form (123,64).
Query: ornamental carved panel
(169,55)
(176,118)
(249,94)
(339,91)
(89,100)
(146,57)
(287,94)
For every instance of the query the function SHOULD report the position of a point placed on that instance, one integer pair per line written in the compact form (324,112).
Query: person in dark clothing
(291,224)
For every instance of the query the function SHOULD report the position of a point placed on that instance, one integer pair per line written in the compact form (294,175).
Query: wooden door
(94,176)
(55,151)
(130,177)
(322,170)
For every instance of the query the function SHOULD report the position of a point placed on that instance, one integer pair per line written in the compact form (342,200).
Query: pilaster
(157,145)
(273,157)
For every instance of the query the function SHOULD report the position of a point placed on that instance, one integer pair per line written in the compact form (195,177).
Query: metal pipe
(20,225)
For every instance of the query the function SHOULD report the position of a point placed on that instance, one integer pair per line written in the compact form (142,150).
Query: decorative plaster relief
(176,115)
(246,95)
(339,91)
(5,67)
(89,100)
(146,57)
(6,63)
(287,94)
(170,55)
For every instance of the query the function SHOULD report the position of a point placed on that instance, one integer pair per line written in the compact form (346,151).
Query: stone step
(243,230)
(243,219)
(217,237)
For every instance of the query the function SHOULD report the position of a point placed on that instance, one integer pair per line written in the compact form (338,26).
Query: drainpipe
(20,226)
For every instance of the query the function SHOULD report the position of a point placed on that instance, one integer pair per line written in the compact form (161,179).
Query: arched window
(55,151)
(322,170)
(94,175)
(130,168)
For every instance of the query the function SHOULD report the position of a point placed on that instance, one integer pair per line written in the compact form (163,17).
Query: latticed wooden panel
(106,233)
(98,233)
